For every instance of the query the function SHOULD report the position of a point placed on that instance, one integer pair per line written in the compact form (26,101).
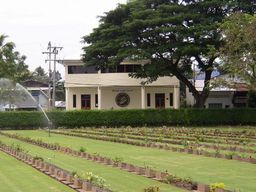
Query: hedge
(118,118)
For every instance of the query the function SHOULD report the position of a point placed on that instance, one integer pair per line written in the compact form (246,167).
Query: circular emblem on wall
(122,99)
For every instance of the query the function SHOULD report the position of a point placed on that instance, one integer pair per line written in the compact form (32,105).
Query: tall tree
(170,34)
(12,64)
(40,75)
(239,51)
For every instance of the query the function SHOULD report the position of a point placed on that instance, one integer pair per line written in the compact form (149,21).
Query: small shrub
(172,179)
(38,158)
(18,148)
(217,152)
(230,155)
(82,149)
(96,180)
(96,154)
(152,189)
(74,173)
(117,160)
(214,186)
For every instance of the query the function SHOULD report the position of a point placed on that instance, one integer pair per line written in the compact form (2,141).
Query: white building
(88,88)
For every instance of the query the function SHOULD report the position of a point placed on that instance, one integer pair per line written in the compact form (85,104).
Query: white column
(99,97)
(67,99)
(176,97)
(143,101)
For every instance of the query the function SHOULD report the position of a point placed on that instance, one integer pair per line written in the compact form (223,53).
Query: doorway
(86,102)
(160,100)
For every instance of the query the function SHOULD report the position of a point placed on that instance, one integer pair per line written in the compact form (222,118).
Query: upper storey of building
(77,75)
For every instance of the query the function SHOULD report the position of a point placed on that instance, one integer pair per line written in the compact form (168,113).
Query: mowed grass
(16,176)
(234,174)
(118,180)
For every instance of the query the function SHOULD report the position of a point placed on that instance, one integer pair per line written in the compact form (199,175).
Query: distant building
(220,96)
(89,88)
(35,94)
(39,92)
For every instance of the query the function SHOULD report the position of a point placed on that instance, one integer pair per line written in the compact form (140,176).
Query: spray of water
(13,94)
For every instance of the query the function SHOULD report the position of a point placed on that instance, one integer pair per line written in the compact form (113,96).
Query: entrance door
(85,101)
(160,100)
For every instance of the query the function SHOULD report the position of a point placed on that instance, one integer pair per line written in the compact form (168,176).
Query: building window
(215,105)
(148,100)
(74,101)
(171,99)
(96,100)
(128,68)
(80,69)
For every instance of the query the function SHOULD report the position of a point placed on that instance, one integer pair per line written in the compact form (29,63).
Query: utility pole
(52,75)
(55,52)
(49,53)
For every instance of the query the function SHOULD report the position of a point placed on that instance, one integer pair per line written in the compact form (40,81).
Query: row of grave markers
(53,171)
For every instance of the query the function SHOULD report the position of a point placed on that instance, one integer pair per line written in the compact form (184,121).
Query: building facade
(89,88)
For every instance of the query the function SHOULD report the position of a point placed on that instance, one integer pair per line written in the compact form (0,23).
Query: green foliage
(38,158)
(239,50)
(214,186)
(21,120)
(96,180)
(169,36)
(152,189)
(134,118)
(74,173)
(18,148)
(117,160)
(82,149)
(12,64)
(40,75)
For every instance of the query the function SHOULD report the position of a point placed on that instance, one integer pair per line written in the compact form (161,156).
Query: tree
(40,75)
(239,51)
(60,91)
(11,93)
(170,34)
(12,64)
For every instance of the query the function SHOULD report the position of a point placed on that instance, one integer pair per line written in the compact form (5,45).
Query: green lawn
(16,176)
(119,180)
(234,174)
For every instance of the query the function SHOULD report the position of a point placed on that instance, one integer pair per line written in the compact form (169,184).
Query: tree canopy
(171,35)
(40,75)
(12,64)
(239,51)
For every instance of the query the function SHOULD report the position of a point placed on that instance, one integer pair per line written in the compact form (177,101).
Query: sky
(31,24)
